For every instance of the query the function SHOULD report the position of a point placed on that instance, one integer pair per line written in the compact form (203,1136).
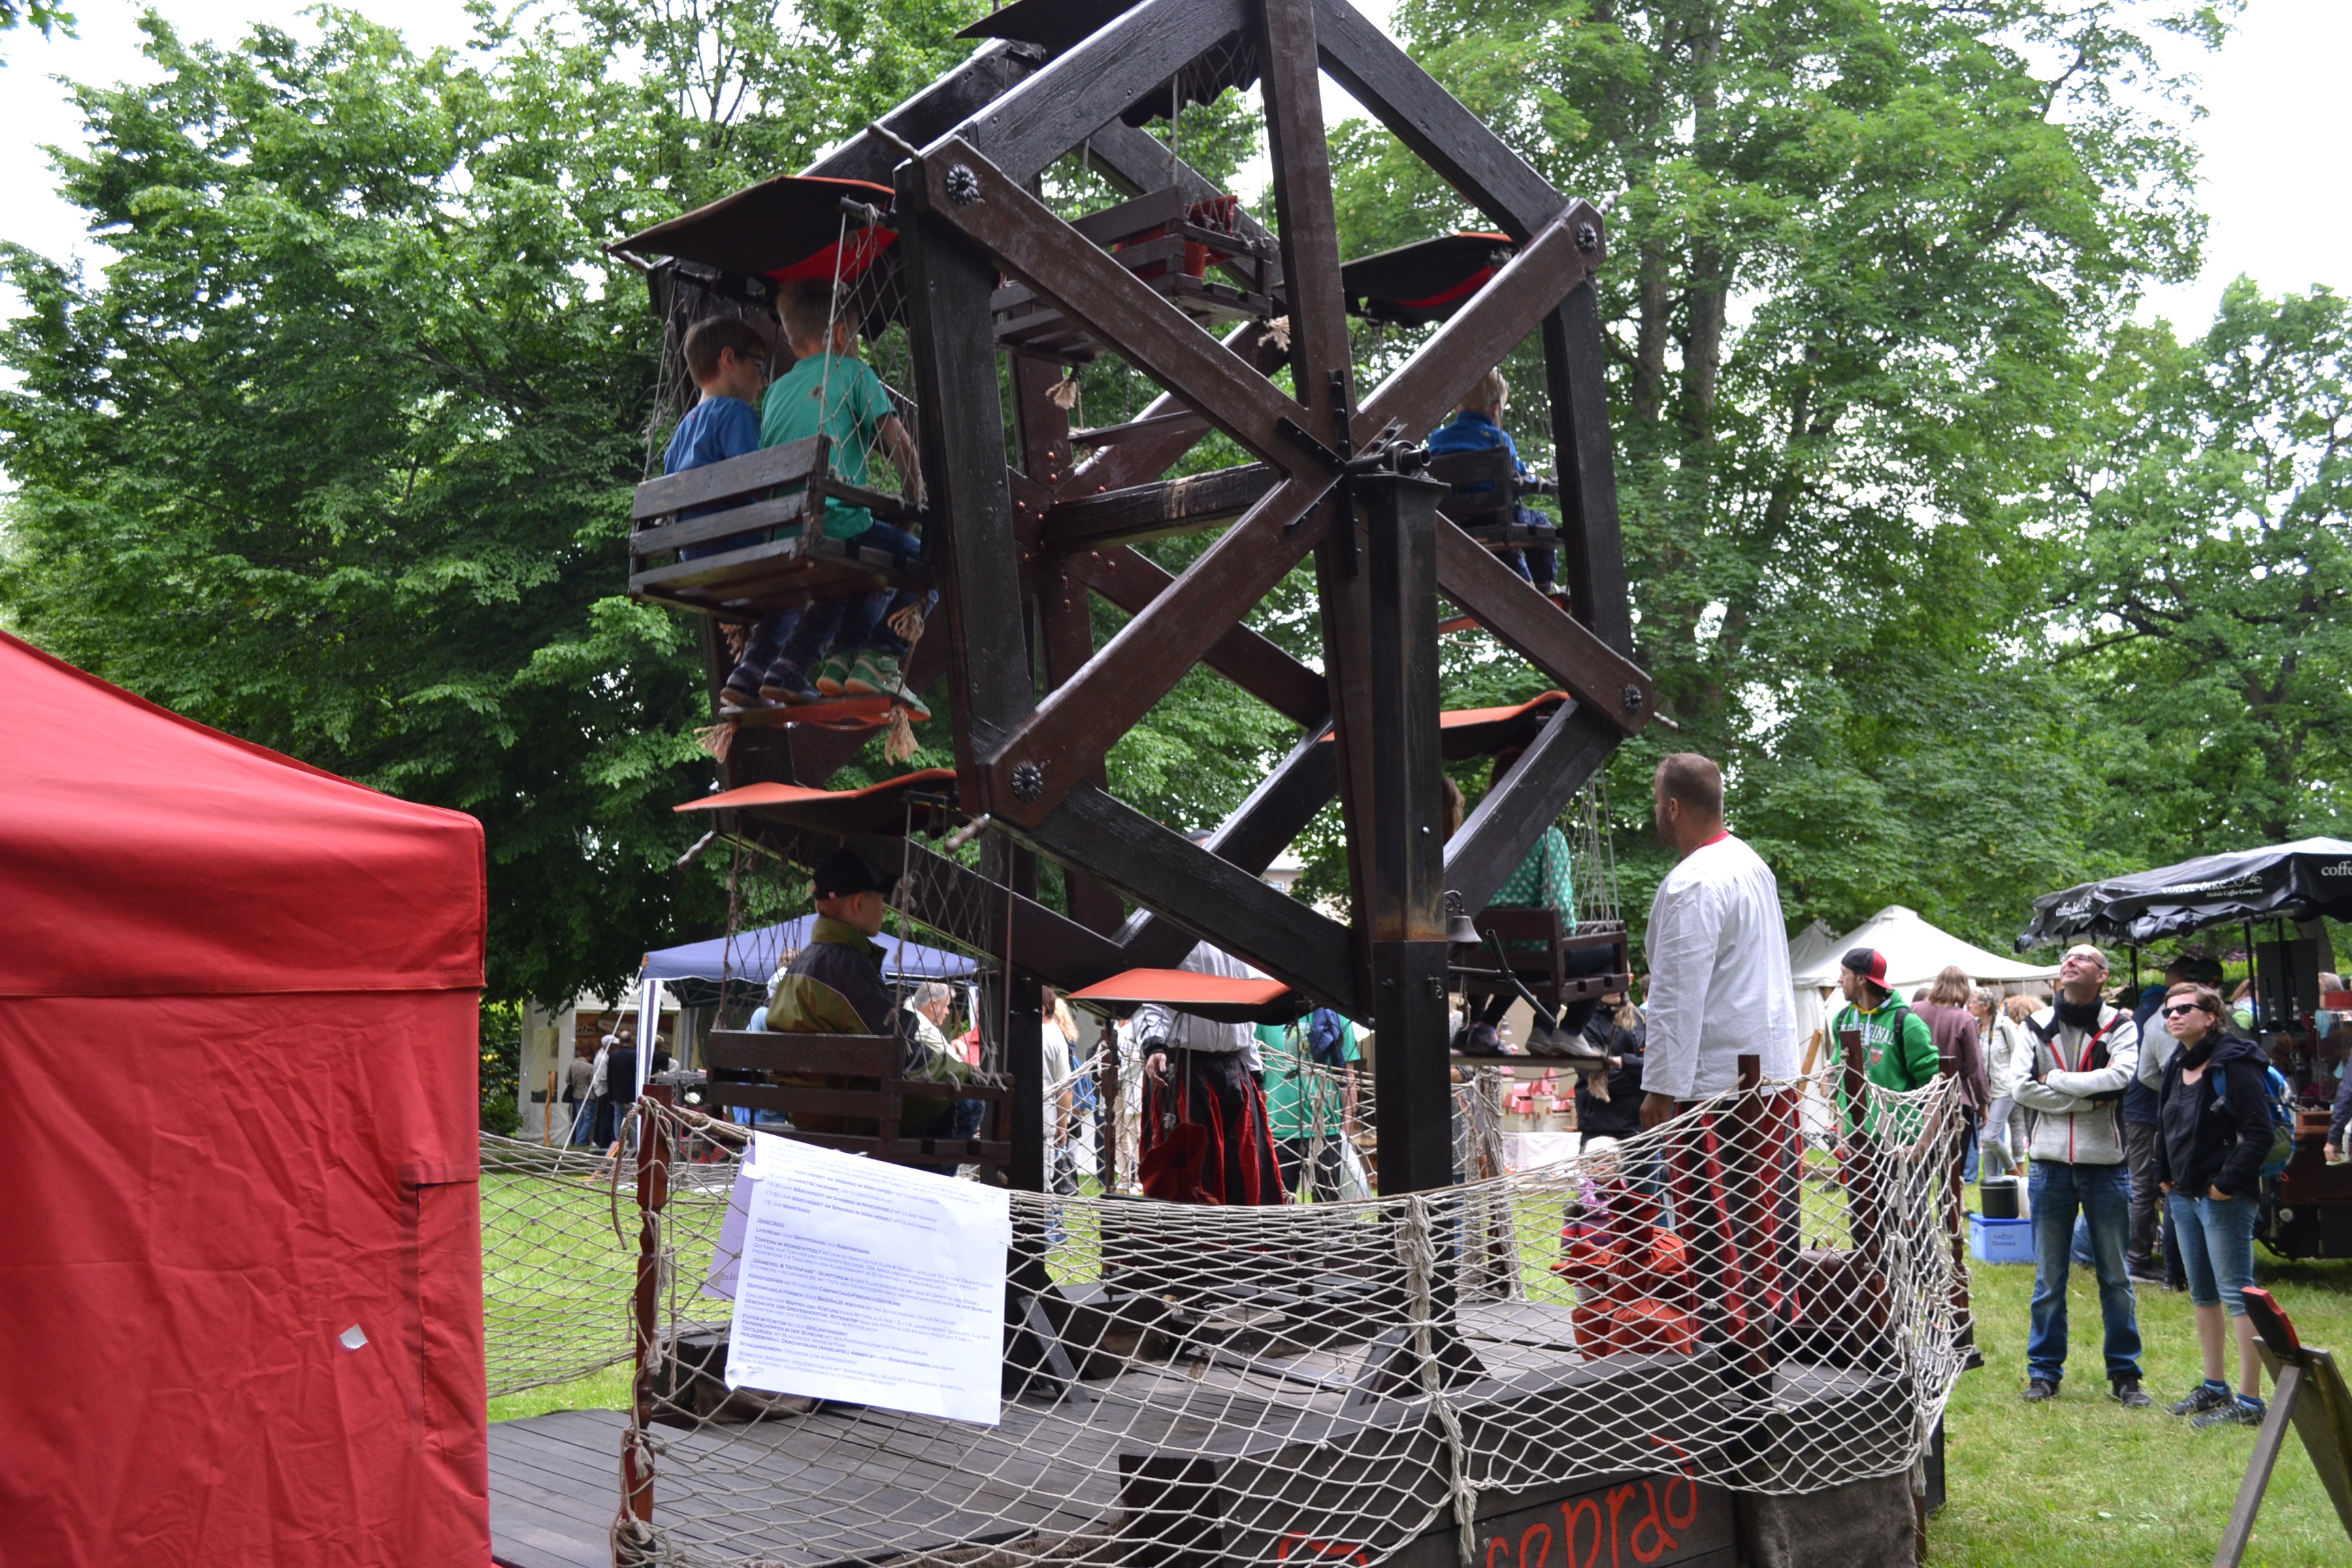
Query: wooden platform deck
(840,1485)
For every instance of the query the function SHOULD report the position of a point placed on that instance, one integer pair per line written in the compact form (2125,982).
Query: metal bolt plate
(1028,781)
(963,185)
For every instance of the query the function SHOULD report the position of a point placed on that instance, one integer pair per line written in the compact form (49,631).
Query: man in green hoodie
(1899,1050)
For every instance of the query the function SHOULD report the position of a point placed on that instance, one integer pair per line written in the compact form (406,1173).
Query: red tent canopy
(240,1268)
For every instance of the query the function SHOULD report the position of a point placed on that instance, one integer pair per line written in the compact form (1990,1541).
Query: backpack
(2281,1098)
(1326,1036)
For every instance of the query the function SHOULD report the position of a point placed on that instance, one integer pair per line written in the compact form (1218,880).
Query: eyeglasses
(2184,1008)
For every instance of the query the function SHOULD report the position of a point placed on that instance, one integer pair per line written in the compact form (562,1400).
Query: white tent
(1915,951)
(1806,949)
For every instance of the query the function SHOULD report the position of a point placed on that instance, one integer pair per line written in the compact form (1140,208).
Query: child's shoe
(741,692)
(830,675)
(785,684)
(877,675)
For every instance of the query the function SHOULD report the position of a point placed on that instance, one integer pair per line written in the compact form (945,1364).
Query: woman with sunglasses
(2213,1132)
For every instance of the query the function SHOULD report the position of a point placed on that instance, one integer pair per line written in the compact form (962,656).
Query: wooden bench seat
(844,1091)
(777,490)
(1546,971)
(1490,514)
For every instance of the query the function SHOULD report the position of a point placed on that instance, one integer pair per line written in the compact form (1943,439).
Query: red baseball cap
(1870,964)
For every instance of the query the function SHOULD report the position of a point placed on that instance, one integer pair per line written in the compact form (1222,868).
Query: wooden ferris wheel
(998,292)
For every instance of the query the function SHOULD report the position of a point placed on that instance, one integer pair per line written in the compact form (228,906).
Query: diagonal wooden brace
(1089,285)
(1132,581)
(1476,338)
(1602,679)
(1077,724)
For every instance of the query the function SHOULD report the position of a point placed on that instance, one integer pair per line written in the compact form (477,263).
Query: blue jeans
(2217,1247)
(1968,1158)
(2102,1195)
(845,625)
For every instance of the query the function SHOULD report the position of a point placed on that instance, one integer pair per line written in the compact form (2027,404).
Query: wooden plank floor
(842,1485)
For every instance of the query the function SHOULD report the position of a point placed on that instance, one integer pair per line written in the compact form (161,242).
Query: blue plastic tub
(2001,1240)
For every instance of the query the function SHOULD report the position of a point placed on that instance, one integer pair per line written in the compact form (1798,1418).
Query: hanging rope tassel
(1277,332)
(898,746)
(716,739)
(1063,394)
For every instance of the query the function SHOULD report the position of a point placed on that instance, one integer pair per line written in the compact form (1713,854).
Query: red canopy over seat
(1222,997)
(240,1272)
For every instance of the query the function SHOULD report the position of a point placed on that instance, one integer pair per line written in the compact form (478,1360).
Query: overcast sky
(2276,211)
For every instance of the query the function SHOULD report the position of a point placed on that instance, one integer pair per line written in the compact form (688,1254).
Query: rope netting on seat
(1747,1296)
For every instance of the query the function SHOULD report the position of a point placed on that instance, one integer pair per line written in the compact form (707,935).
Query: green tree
(2211,576)
(336,456)
(1860,256)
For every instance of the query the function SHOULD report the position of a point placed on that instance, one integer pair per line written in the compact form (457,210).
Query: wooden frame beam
(1534,628)
(1217,902)
(1567,751)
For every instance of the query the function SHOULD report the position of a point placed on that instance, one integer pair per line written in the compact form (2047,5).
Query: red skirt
(1206,1137)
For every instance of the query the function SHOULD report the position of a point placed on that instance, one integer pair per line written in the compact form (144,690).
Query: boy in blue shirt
(728,359)
(843,646)
(1477,427)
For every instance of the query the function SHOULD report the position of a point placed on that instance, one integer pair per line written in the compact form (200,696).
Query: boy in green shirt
(843,646)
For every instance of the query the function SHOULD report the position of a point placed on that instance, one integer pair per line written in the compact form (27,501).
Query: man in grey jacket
(2084,1053)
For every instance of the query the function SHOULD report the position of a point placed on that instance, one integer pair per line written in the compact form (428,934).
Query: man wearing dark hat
(1898,1048)
(841,950)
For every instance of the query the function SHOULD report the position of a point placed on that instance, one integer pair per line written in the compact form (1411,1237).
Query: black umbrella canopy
(1425,281)
(2302,880)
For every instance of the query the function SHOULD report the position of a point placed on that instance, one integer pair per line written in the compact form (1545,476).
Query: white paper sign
(870,1283)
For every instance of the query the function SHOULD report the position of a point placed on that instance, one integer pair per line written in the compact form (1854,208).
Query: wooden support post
(2268,1441)
(1861,1157)
(2309,1392)
(1591,542)
(1408,924)
(970,535)
(653,1197)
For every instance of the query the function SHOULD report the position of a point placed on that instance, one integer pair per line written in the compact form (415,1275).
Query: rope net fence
(1756,1295)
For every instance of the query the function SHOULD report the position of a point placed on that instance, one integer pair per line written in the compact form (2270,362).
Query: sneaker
(2127,1393)
(2040,1389)
(2203,1397)
(827,677)
(783,683)
(2144,1271)
(877,675)
(741,690)
(2235,1412)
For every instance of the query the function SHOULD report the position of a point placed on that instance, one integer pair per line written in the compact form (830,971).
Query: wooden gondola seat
(1557,969)
(845,1090)
(768,500)
(1487,489)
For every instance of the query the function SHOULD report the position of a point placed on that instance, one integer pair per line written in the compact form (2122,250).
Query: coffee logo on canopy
(2341,868)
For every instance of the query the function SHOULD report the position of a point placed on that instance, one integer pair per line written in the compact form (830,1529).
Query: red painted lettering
(1500,1544)
(1569,1514)
(1662,1543)
(1617,1496)
(1529,1535)
(1690,1488)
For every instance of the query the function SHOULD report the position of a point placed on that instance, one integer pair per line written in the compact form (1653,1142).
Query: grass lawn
(2082,1480)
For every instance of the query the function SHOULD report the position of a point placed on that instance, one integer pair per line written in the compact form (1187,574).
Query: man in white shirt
(1717,949)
